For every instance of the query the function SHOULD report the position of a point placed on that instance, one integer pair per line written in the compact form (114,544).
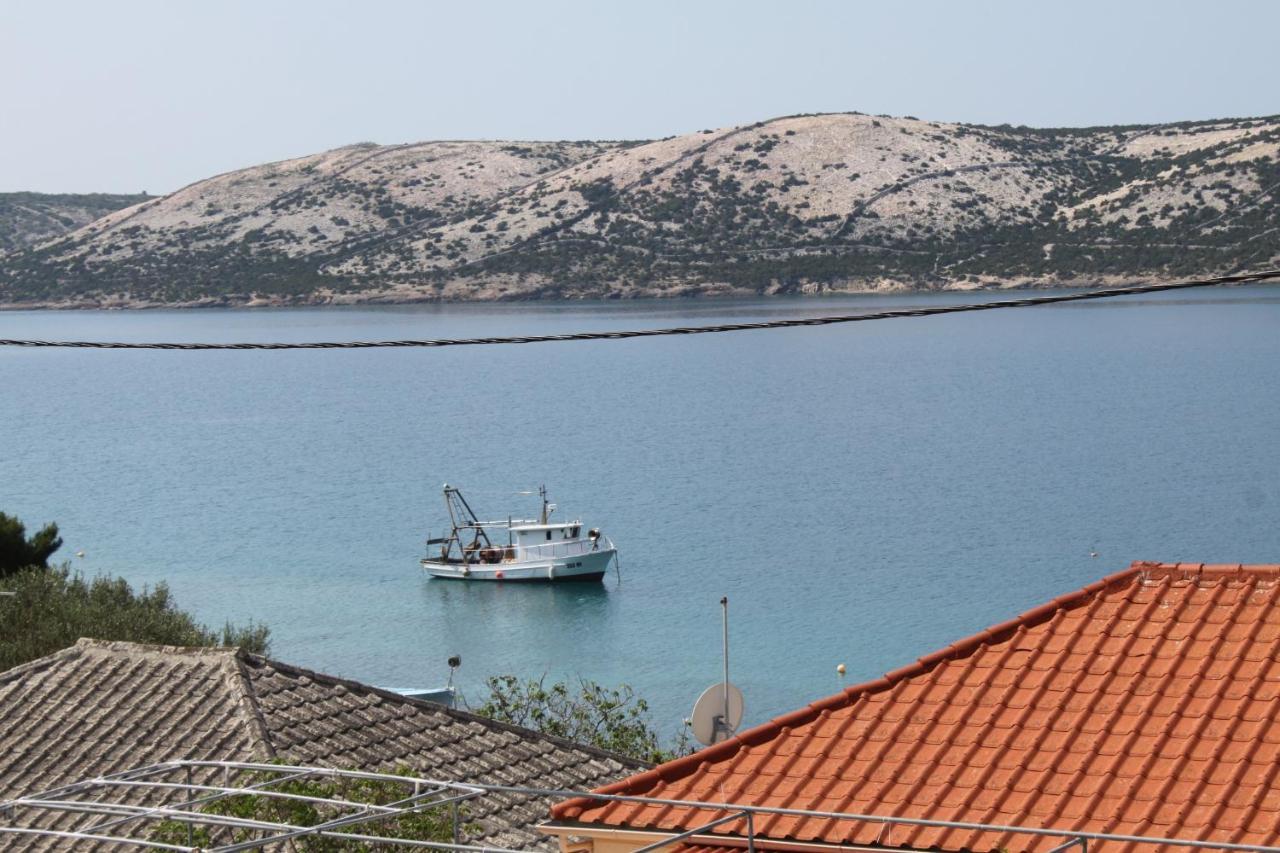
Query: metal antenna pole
(724,609)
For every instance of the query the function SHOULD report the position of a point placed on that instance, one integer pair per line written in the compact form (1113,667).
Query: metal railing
(531,553)
(571,548)
(90,797)
(117,801)
(747,813)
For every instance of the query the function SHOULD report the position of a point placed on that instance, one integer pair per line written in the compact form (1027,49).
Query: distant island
(802,204)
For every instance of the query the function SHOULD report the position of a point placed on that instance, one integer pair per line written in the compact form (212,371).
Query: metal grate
(124,809)
(192,805)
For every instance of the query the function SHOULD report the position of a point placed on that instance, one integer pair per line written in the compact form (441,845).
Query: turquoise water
(863,494)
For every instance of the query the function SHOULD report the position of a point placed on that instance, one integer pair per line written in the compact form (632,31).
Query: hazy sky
(126,96)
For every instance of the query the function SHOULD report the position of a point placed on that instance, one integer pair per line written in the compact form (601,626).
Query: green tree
(18,552)
(609,718)
(51,608)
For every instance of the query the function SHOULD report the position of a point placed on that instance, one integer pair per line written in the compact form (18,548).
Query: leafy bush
(608,718)
(51,608)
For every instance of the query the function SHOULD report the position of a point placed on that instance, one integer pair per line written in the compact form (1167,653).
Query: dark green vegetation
(798,204)
(30,218)
(52,607)
(18,551)
(434,824)
(608,718)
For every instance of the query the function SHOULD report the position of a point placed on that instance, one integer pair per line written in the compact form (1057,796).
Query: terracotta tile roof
(1147,703)
(101,707)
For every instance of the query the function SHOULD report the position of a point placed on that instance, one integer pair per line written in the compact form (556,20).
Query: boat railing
(524,553)
(571,548)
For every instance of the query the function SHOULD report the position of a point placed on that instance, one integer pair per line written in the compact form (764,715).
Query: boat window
(573,532)
(548,535)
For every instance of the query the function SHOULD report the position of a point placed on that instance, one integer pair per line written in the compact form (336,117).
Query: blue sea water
(863,494)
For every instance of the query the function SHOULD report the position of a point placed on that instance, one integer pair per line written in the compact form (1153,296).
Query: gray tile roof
(101,707)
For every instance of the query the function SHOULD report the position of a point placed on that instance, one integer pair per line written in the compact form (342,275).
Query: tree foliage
(434,824)
(17,551)
(609,718)
(51,608)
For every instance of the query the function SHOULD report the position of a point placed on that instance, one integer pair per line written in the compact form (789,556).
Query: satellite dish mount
(718,711)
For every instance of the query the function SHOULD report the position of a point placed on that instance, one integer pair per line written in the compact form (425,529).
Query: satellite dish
(708,719)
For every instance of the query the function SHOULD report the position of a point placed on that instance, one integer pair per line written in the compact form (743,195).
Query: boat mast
(453,498)
(461,517)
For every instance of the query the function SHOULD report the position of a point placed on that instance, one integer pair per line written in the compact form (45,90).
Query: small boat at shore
(516,549)
(447,695)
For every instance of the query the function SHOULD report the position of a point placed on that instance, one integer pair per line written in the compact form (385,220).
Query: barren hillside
(797,204)
(28,219)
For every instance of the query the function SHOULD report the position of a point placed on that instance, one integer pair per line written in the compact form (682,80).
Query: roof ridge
(152,648)
(250,701)
(463,716)
(40,663)
(240,659)
(1212,570)
(672,770)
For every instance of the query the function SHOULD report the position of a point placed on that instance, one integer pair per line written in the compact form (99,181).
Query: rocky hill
(797,204)
(28,219)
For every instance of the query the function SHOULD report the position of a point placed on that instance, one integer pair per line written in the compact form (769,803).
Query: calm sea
(863,494)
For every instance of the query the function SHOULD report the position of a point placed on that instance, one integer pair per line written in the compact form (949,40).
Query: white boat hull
(588,566)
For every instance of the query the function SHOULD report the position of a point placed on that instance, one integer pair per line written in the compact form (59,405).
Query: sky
(151,95)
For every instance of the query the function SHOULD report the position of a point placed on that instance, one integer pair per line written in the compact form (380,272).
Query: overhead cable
(621,334)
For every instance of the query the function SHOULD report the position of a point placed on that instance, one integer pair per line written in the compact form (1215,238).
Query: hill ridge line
(802,203)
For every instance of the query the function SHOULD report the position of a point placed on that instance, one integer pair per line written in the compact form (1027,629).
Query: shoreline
(411,296)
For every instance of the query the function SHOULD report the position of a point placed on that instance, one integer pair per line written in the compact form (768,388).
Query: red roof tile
(1143,704)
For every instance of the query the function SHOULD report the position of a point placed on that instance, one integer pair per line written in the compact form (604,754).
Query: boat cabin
(529,535)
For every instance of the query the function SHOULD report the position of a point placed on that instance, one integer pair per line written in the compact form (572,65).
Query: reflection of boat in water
(533,550)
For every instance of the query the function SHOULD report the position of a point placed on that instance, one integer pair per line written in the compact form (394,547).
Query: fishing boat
(516,549)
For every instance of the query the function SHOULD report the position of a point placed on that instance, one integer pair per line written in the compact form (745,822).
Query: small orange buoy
(498,575)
